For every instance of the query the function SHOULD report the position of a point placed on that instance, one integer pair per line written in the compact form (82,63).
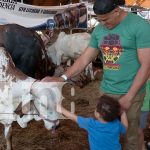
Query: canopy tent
(140,3)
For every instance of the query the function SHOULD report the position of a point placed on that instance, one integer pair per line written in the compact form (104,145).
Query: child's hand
(124,119)
(59,108)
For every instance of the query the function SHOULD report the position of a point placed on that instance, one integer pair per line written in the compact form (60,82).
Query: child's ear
(97,114)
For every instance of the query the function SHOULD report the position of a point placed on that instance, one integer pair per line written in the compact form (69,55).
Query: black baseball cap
(105,6)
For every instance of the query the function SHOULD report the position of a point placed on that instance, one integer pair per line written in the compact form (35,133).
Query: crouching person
(104,131)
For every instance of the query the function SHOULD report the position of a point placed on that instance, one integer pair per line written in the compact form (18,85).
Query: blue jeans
(143,119)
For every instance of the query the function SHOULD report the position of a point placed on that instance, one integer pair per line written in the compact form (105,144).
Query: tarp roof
(139,3)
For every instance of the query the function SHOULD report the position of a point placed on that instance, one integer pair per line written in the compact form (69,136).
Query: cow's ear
(18,110)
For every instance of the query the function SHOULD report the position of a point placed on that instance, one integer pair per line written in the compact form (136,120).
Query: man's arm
(80,64)
(140,78)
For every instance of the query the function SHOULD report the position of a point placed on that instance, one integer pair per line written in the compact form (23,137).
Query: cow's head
(47,95)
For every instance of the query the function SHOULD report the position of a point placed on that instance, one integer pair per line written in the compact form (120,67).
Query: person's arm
(80,64)
(140,78)
(66,113)
(124,119)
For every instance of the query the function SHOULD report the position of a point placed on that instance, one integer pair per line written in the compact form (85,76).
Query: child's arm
(66,113)
(124,119)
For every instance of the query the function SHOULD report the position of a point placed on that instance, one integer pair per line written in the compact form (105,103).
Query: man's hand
(125,102)
(52,79)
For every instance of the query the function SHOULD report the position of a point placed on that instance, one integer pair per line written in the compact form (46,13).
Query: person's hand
(125,102)
(52,79)
(59,108)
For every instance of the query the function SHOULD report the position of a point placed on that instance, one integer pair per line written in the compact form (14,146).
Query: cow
(69,46)
(17,89)
(26,48)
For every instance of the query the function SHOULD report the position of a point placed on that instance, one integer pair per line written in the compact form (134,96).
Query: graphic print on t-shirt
(111,49)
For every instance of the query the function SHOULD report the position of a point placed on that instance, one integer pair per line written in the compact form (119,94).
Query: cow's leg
(58,58)
(8,136)
(69,62)
(88,69)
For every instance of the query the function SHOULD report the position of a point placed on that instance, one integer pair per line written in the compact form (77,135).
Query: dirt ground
(68,136)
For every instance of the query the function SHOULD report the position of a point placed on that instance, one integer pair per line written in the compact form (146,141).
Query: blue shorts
(143,119)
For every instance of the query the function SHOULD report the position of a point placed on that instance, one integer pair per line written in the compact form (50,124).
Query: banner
(42,17)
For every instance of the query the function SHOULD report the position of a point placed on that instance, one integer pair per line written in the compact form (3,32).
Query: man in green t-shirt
(124,40)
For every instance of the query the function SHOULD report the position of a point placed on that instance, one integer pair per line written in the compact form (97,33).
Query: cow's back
(24,46)
(72,44)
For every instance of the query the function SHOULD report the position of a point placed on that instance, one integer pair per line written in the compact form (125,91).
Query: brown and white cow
(17,88)
(70,47)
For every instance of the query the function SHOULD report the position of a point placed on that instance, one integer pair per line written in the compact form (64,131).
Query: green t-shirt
(146,103)
(119,49)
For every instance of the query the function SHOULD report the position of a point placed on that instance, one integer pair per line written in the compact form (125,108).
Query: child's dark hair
(108,107)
